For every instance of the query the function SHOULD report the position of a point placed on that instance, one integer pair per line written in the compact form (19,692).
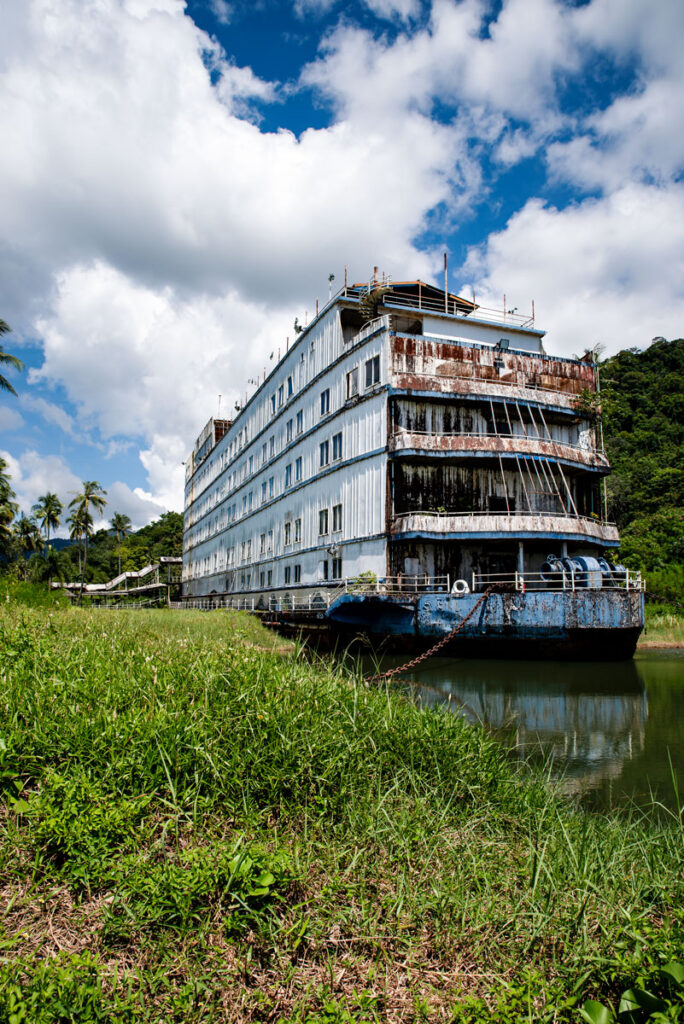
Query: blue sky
(181,179)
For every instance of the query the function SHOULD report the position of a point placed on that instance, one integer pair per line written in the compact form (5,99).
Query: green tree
(8,508)
(28,539)
(79,523)
(7,360)
(47,511)
(121,525)
(642,395)
(92,496)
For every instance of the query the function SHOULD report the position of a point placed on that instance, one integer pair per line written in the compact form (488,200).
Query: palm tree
(121,524)
(27,537)
(8,360)
(47,511)
(92,496)
(79,524)
(8,508)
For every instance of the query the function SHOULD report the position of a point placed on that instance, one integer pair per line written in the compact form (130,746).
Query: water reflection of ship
(588,719)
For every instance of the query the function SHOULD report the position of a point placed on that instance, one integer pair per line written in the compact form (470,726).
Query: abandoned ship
(415,467)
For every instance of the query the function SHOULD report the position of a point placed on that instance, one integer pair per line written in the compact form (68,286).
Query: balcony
(502,525)
(497,444)
(446,367)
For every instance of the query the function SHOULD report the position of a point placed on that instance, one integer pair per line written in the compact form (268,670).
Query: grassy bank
(199,829)
(664,627)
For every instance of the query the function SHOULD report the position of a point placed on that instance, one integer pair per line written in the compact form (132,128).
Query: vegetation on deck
(198,829)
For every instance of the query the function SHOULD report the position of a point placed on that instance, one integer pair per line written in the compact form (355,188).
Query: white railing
(434,514)
(566,579)
(403,432)
(487,383)
(434,305)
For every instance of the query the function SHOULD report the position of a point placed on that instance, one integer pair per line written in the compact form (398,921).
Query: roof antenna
(219,409)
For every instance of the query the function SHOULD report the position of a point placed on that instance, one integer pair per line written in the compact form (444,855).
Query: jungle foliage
(643,423)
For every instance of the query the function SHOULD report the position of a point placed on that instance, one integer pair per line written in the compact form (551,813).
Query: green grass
(198,828)
(664,626)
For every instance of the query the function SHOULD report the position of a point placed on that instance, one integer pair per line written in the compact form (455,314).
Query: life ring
(460,588)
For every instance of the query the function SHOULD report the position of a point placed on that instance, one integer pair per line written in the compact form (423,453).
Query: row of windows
(327,570)
(292,534)
(294,427)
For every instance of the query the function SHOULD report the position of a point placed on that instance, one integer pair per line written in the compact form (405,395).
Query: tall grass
(199,828)
(664,625)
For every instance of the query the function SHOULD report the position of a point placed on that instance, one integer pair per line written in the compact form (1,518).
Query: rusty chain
(664,600)
(433,650)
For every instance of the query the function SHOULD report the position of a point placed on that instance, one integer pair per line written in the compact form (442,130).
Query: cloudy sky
(178,180)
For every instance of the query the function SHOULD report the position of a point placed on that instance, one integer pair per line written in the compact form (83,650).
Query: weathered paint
(523,525)
(607,622)
(420,358)
(415,444)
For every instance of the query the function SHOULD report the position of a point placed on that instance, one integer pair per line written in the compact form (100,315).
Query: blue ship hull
(594,624)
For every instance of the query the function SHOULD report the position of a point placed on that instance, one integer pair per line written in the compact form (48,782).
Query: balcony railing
(435,305)
(570,579)
(487,385)
(496,443)
(505,523)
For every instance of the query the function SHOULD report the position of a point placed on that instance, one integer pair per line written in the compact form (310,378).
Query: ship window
(300,421)
(325,452)
(263,453)
(262,544)
(262,579)
(271,482)
(269,578)
(323,521)
(288,475)
(288,573)
(337,446)
(288,534)
(263,492)
(298,574)
(298,530)
(281,395)
(337,568)
(271,447)
(325,402)
(323,569)
(288,432)
(251,464)
(372,371)
(337,518)
(353,382)
(273,406)
(290,387)
(298,468)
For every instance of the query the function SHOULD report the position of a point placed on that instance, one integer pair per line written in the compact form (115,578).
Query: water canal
(612,732)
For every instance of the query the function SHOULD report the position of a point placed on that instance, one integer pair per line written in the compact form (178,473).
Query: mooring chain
(664,600)
(433,650)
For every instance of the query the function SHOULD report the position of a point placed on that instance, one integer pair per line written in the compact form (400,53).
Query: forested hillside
(643,422)
(163,537)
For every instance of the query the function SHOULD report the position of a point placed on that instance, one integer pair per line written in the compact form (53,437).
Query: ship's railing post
(517,584)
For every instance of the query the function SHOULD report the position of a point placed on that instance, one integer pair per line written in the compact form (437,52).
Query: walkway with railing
(312,600)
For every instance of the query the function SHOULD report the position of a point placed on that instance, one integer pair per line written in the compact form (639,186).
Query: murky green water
(614,731)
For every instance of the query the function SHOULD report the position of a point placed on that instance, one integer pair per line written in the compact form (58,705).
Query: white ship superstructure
(405,432)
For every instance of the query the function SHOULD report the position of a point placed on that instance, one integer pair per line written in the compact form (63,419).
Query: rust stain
(422,360)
